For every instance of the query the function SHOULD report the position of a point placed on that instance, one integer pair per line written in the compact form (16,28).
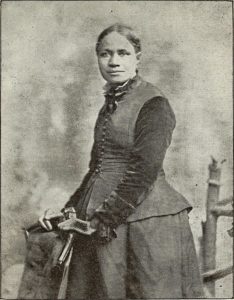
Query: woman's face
(117,59)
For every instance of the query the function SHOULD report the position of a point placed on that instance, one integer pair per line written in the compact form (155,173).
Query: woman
(137,242)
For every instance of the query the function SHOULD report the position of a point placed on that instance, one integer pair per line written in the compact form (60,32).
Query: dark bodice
(126,181)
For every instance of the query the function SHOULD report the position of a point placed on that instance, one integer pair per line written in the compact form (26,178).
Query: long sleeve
(152,136)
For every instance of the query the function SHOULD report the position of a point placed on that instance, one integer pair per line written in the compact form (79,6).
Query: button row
(98,169)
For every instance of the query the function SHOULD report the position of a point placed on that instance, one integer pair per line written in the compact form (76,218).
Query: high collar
(119,90)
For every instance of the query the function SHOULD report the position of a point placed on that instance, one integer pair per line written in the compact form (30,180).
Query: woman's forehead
(115,41)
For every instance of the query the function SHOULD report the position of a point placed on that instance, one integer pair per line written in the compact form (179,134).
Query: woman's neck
(119,85)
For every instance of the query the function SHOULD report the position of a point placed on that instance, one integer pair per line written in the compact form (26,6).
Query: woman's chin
(116,79)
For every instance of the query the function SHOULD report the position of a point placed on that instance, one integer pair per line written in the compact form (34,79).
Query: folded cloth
(40,279)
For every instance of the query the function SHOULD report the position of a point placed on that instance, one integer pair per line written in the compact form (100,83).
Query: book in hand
(77,225)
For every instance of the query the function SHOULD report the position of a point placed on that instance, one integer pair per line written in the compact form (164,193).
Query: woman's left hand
(77,225)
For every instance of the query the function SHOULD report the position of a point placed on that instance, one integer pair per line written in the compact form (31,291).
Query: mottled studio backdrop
(52,91)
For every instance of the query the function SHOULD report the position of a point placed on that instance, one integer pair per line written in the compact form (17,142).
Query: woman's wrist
(94,223)
(104,231)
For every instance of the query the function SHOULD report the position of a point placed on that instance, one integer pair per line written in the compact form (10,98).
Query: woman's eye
(103,54)
(123,53)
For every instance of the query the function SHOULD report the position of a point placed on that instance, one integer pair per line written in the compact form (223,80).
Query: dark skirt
(151,258)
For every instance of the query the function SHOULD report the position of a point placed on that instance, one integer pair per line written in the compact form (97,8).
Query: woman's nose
(113,61)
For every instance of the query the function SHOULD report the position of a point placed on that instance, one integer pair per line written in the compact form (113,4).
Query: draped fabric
(39,281)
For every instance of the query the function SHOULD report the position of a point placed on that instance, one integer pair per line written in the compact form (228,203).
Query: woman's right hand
(48,216)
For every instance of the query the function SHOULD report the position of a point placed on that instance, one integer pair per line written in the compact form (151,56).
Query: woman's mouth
(115,72)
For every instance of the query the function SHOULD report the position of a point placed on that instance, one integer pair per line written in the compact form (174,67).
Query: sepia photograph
(116,150)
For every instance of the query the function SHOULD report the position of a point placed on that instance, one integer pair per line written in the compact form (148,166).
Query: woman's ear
(138,56)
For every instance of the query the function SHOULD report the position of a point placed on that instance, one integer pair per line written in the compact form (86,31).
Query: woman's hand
(48,216)
(77,225)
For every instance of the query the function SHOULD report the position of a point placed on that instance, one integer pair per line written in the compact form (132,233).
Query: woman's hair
(124,30)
